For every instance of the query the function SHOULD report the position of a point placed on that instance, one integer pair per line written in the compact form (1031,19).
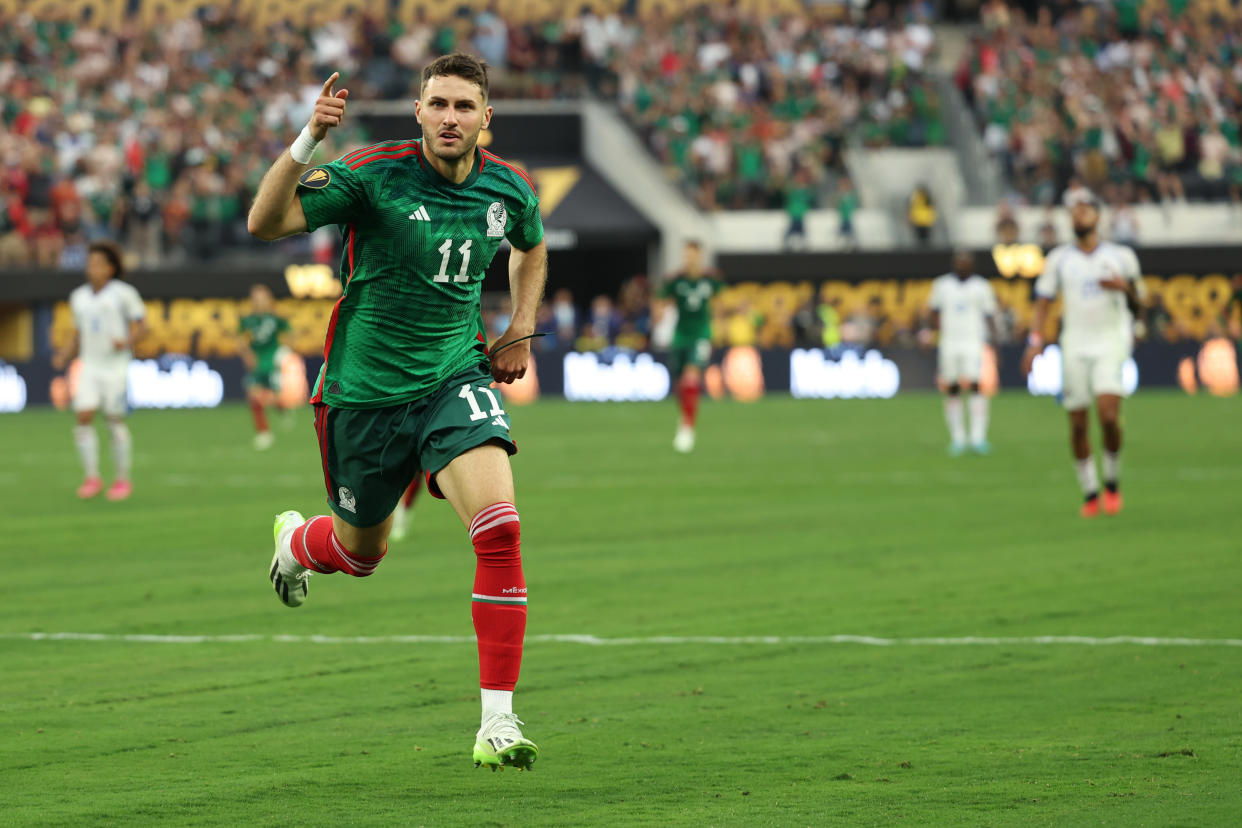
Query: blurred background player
(261,332)
(1101,290)
(691,291)
(963,307)
(400,392)
(108,318)
(401,515)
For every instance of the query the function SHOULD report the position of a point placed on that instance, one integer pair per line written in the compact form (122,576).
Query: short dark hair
(112,252)
(460,64)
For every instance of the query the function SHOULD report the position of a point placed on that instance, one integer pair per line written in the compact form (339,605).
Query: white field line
(645,641)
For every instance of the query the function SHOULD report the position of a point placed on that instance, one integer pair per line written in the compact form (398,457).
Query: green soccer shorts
(697,352)
(370,455)
(268,378)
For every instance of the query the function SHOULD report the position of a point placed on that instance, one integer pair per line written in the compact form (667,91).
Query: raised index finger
(329,83)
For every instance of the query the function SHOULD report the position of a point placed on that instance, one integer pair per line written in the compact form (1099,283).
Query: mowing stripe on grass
(653,640)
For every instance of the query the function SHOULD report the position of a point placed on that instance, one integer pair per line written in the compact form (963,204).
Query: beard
(464,146)
(1082,231)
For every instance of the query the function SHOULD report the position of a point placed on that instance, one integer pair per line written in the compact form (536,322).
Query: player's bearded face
(452,113)
(1085,217)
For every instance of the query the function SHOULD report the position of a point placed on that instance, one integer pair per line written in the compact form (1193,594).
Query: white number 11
(445,250)
(477,413)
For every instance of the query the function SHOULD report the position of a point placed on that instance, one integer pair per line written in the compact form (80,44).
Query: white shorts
(1086,376)
(103,389)
(959,362)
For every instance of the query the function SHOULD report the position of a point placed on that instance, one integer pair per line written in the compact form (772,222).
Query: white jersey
(964,305)
(103,318)
(1094,320)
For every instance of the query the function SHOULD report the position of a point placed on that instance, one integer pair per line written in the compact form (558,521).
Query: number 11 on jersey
(445,250)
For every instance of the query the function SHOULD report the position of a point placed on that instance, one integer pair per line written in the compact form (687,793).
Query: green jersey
(694,313)
(417,247)
(264,330)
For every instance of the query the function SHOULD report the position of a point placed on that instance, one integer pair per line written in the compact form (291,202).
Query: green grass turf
(791,518)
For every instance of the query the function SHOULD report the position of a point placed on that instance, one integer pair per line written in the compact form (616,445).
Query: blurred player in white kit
(108,316)
(963,308)
(1102,290)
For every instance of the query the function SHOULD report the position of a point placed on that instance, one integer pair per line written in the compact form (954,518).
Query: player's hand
(1115,283)
(510,363)
(1028,357)
(329,109)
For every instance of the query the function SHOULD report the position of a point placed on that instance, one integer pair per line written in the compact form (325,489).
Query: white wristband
(303,147)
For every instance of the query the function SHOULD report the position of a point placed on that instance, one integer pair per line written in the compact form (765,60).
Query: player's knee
(973,388)
(953,389)
(497,532)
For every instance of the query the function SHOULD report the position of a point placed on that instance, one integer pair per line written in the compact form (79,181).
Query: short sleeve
(1048,285)
(134,309)
(665,291)
(527,229)
(331,194)
(282,324)
(936,300)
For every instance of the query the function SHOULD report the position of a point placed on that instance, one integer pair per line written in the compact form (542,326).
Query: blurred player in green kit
(691,290)
(406,382)
(261,331)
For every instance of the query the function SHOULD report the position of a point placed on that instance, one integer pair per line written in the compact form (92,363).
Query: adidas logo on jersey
(420,214)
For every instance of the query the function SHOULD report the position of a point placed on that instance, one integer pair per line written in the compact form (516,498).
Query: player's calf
(315,545)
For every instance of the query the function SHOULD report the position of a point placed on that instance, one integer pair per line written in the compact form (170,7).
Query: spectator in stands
(799,200)
(566,315)
(847,205)
(590,340)
(921,212)
(14,230)
(605,321)
(1123,223)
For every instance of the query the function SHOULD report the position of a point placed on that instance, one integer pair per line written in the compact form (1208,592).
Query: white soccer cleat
(684,441)
(263,440)
(500,742)
(288,576)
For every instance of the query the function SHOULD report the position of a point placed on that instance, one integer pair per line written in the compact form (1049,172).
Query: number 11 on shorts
(477,413)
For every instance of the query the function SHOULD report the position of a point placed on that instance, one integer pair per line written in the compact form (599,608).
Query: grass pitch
(792,518)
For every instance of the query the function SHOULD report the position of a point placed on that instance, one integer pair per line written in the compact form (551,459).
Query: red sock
(689,394)
(499,607)
(260,417)
(407,499)
(315,546)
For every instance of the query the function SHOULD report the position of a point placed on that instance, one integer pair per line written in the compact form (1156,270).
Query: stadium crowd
(1138,100)
(150,133)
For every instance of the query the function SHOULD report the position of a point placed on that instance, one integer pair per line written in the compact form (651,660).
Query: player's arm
(137,330)
(528,271)
(63,356)
(277,211)
(1047,286)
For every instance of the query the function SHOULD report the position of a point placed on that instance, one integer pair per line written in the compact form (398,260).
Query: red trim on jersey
(353,234)
(384,146)
(503,162)
(482,341)
(336,309)
(321,431)
(362,162)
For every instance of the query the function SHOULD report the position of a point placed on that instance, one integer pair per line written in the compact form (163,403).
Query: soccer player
(691,291)
(1102,290)
(400,515)
(261,331)
(406,382)
(108,316)
(963,307)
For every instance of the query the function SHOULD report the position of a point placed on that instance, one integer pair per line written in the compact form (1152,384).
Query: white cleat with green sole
(288,576)
(500,742)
